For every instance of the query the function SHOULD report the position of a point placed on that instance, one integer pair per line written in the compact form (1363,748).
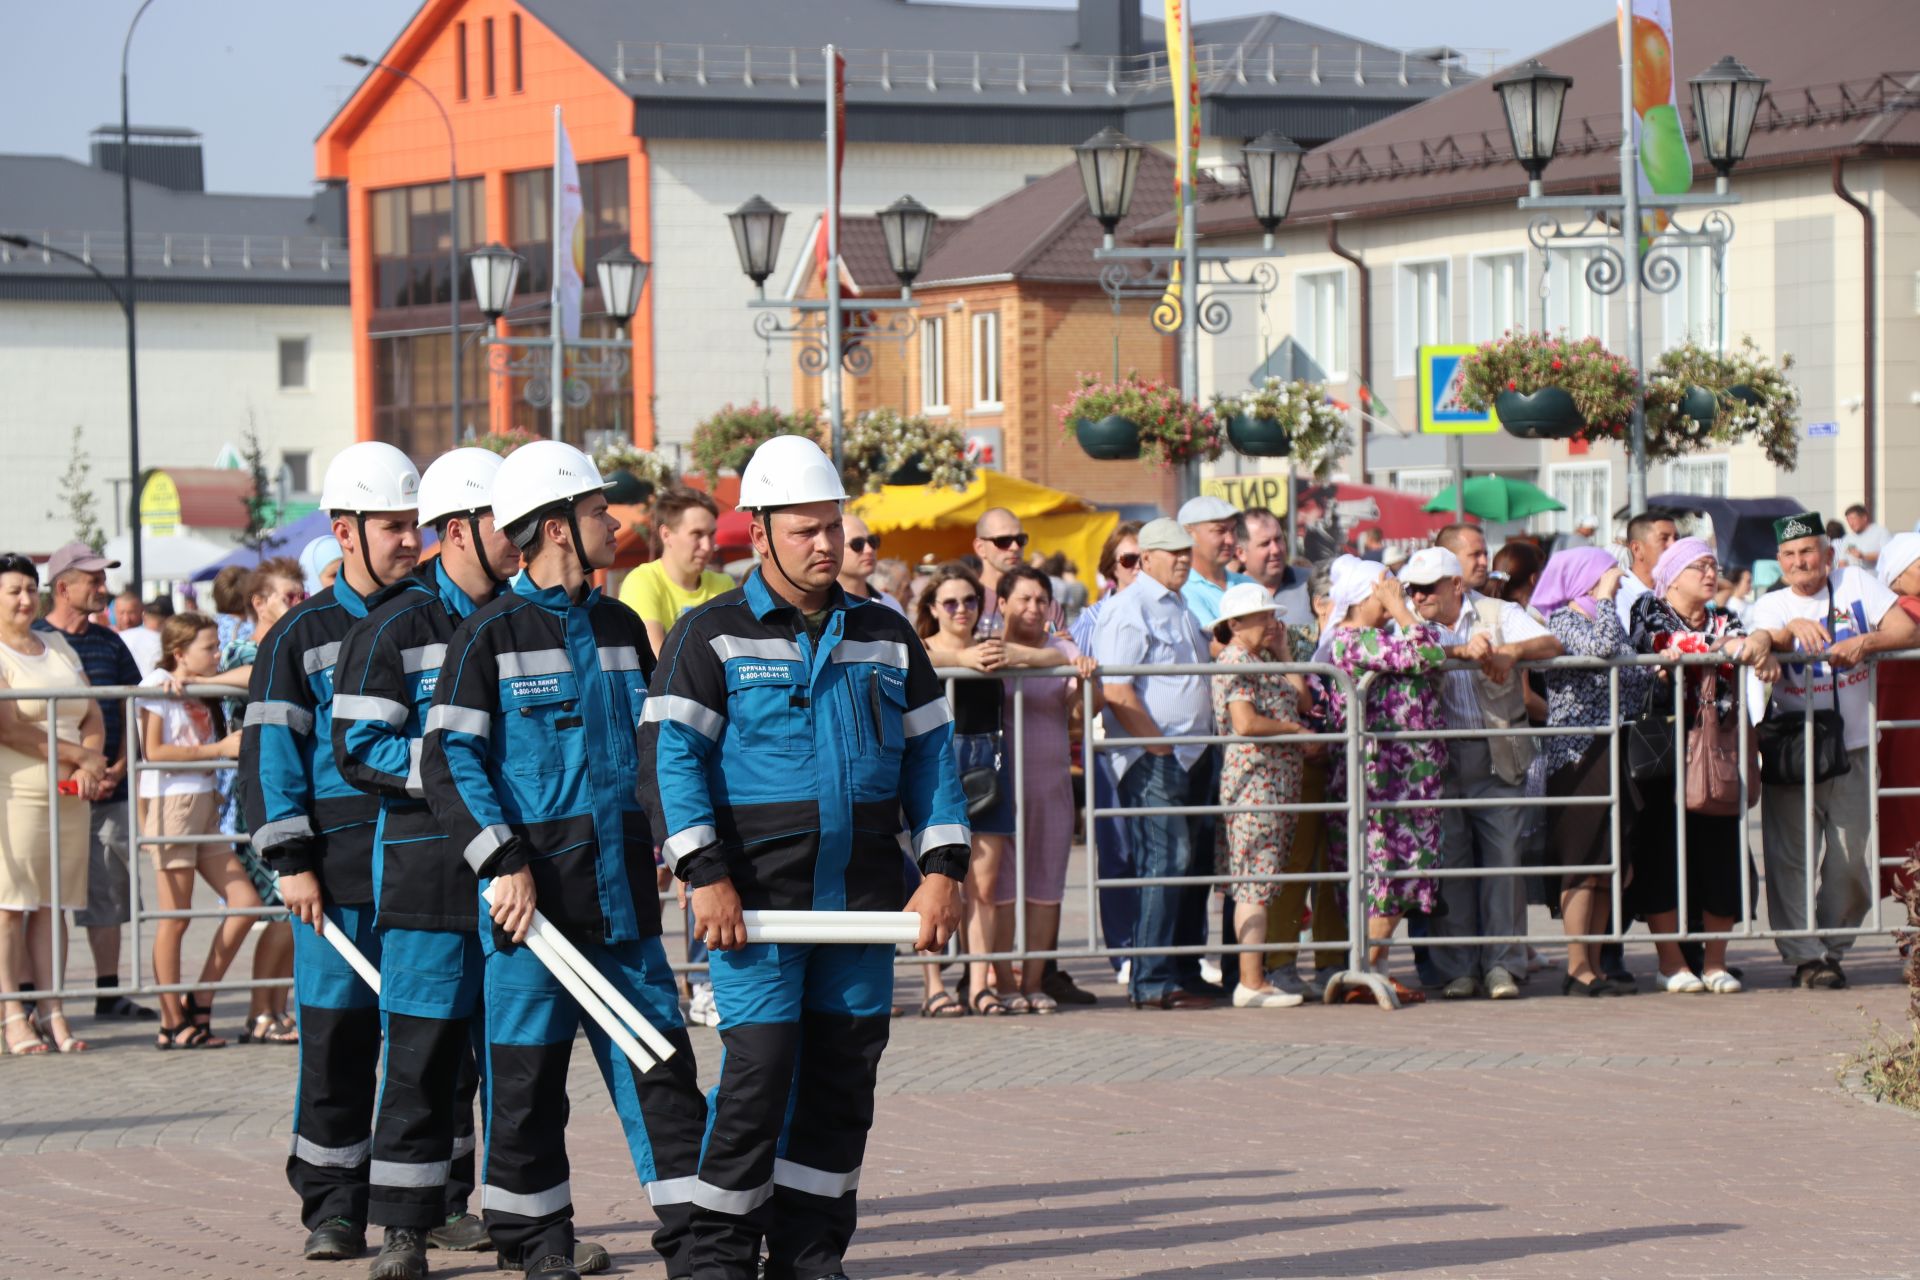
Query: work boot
(335,1239)
(553,1267)
(461,1232)
(402,1257)
(589,1259)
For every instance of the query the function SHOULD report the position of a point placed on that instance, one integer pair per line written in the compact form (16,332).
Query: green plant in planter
(1598,385)
(885,447)
(1281,417)
(636,474)
(725,440)
(1140,418)
(1698,399)
(500,442)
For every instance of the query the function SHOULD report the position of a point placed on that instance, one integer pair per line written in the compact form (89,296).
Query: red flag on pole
(829,242)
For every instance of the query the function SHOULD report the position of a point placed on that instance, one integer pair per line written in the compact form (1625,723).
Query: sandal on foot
(1407,994)
(1019,1002)
(288,1028)
(201,1016)
(941,1004)
(43,1021)
(27,1048)
(267,1029)
(987,1003)
(185,1036)
(1041,1002)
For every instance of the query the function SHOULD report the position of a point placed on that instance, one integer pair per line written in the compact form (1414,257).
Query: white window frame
(933,366)
(280,362)
(985,326)
(1334,362)
(1565,521)
(1717,467)
(1576,271)
(1696,261)
(1479,321)
(1406,298)
(1424,482)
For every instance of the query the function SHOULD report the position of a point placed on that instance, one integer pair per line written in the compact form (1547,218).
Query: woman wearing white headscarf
(1899,570)
(1402,696)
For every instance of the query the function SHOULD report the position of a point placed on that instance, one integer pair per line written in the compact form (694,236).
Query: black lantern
(1109,163)
(1726,98)
(757,226)
(622,277)
(1533,98)
(496,269)
(1273,166)
(908,227)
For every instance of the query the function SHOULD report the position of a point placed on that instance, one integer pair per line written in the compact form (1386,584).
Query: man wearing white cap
(1150,624)
(1495,634)
(1209,522)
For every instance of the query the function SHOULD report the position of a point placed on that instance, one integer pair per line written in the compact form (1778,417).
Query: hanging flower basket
(1166,429)
(1698,399)
(1700,404)
(1546,387)
(1281,418)
(500,442)
(724,441)
(636,474)
(883,447)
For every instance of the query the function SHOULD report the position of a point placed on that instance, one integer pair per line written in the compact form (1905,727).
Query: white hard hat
(370,476)
(1245,598)
(539,475)
(458,482)
(786,471)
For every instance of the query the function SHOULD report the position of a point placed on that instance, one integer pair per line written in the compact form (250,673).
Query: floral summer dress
(1251,844)
(1403,696)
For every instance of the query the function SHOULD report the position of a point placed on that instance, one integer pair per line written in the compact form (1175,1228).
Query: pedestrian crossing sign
(1441,412)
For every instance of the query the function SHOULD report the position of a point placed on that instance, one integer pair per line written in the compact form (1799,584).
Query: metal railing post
(1745,840)
(58,978)
(1089,777)
(1020,824)
(1358,918)
(1680,779)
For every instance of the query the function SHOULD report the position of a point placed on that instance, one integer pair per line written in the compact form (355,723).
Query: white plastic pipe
(589,1003)
(889,928)
(351,954)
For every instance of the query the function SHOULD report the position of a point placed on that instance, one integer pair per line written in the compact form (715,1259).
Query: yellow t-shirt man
(658,599)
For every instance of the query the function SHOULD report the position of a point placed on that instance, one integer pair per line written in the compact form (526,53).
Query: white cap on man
(1163,534)
(1429,565)
(1205,509)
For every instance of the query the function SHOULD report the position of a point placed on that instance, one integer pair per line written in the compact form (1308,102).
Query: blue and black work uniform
(530,764)
(305,817)
(786,752)
(424,902)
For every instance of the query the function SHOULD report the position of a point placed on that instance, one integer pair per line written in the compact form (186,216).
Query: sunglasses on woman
(1129,561)
(858,545)
(1008,541)
(965,604)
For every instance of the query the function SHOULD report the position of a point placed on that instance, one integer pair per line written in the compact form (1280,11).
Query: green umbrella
(1497,498)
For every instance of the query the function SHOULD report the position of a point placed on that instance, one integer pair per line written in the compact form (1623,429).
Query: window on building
(1320,318)
(606,417)
(513,59)
(1423,311)
(293,364)
(986,360)
(1499,295)
(1708,477)
(410,230)
(296,467)
(933,364)
(413,393)
(486,56)
(1572,303)
(1693,307)
(1585,489)
(604,212)
(1423,482)
(460,61)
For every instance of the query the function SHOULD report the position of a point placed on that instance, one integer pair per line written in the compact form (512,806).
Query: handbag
(1713,759)
(982,786)
(1784,742)
(1650,741)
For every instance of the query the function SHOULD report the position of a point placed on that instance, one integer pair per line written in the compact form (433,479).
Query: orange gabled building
(499,73)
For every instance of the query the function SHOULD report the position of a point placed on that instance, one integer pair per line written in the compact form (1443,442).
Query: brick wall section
(1049,335)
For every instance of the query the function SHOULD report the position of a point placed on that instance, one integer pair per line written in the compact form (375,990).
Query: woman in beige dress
(28,911)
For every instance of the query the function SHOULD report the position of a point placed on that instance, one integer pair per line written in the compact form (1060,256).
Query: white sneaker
(1685,982)
(1246,998)
(1124,974)
(701,1008)
(1210,970)
(1288,980)
(1501,985)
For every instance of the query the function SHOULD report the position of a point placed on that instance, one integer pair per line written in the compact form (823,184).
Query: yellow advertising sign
(1441,413)
(160,504)
(1246,492)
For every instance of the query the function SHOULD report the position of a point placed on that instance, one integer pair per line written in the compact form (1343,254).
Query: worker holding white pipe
(789,729)
(529,766)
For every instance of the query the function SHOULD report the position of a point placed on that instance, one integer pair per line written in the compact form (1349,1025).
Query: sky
(260,78)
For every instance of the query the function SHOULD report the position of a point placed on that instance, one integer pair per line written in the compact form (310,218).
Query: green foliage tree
(78,498)
(260,506)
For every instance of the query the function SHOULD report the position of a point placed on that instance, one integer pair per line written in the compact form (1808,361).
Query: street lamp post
(1726,98)
(125,297)
(544,361)
(453,218)
(1109,167)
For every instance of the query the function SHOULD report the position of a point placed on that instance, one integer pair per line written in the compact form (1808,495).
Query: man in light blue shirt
(1150,624)
(1209,523)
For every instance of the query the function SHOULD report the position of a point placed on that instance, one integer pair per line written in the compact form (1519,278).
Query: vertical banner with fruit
(1666,167)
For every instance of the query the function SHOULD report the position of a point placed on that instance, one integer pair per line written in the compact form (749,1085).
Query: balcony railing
(165,251)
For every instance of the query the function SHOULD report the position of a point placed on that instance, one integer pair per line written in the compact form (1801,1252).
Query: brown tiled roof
(1843,83)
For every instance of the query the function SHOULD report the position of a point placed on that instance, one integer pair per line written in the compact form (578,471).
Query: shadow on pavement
(1050,1217)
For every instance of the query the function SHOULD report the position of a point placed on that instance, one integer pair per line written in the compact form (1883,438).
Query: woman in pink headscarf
(1678,617)
(1576,597)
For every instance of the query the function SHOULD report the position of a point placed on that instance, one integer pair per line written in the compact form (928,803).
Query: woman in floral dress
(1256,773)
(1403,696)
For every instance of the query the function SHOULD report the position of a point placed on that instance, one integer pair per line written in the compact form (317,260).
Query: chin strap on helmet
(579,548)
(773,550)
(480,548)
(366,557)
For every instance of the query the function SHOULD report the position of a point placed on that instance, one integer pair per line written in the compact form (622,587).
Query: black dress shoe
(462,1233)
(1059,984)
(1178,998)
(1211,990)
(1828,976)
(554,1266)
(403,1256)
(335,1239)
(1803,973)
(589,1259)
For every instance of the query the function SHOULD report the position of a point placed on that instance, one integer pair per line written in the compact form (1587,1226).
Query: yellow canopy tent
(921,520)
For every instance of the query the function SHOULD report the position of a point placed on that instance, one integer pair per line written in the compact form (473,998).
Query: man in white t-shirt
(1864,542)
(1649,534)
(1846,613)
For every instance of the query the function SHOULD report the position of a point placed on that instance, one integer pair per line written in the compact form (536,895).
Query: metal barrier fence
(1352,808)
